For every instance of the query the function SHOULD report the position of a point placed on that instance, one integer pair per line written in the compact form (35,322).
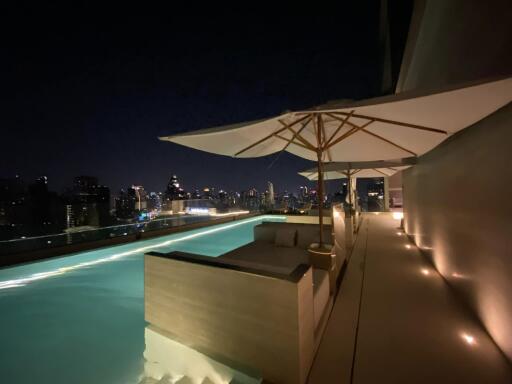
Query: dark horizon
(89,93)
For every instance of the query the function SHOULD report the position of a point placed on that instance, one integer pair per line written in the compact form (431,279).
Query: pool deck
(396,320)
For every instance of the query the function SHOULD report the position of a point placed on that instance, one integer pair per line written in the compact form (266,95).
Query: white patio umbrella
(361,169)
(349,170)
(408,124)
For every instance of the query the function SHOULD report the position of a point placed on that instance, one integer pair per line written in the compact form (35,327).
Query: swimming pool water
(80,318)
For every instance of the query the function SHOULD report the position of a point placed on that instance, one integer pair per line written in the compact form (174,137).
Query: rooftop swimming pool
(80,318)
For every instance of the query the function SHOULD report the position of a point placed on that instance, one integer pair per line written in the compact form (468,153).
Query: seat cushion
(265,232)
(320,293)
(262,253)
(285,237)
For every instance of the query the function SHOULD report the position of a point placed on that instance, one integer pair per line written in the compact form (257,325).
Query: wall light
(398,215)
(470,340)
(425,271)
(408,246)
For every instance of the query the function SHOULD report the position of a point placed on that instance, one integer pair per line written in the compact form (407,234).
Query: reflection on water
(167,361)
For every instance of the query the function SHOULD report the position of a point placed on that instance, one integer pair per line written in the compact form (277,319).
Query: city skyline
(335,185)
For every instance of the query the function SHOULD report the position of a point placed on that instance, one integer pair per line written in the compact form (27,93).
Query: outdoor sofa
(261,308)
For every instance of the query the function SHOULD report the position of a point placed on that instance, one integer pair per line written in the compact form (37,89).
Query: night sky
(88,90)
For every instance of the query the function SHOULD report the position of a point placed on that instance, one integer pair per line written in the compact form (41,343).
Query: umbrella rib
(324,143)
(289,141)
(296,135)
(408,125)
(340,126)
(272,134)
(389,142)
(376,170)
(310,146)
(355,129)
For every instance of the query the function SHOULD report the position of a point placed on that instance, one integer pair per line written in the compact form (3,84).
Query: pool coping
(59,251)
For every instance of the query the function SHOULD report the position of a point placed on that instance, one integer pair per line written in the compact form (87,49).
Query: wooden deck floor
(395,320)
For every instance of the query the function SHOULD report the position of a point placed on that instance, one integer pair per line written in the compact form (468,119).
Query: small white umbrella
(341,170)
(356,170)
(408,124)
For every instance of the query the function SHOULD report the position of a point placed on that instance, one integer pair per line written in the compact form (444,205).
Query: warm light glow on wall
(470,340)
(398,215)
(408,246)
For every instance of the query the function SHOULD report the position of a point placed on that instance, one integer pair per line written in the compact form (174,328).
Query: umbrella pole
(320,198)
(350,193)
(319,153)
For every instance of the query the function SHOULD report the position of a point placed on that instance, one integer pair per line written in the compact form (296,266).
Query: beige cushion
(281,257)
(265,232)
(285,237)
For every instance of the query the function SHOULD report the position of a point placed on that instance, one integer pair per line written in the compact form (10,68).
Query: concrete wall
(455,41)
(458,208)
(395,190)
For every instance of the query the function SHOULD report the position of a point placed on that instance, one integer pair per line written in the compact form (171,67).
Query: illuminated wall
(458,207)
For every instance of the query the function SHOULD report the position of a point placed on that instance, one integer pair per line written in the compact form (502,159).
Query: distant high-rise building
(29,210)
(87,203)
(223,197)
(196,194)
(154,202)
(125,204)
(141,198)
(209,193)
(46,208)
(250,200)
(174,191)
(303,194)
(14,209)
(270,196)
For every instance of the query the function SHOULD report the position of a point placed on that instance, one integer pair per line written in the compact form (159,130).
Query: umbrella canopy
(381,129)
(342,170)
(386,128)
